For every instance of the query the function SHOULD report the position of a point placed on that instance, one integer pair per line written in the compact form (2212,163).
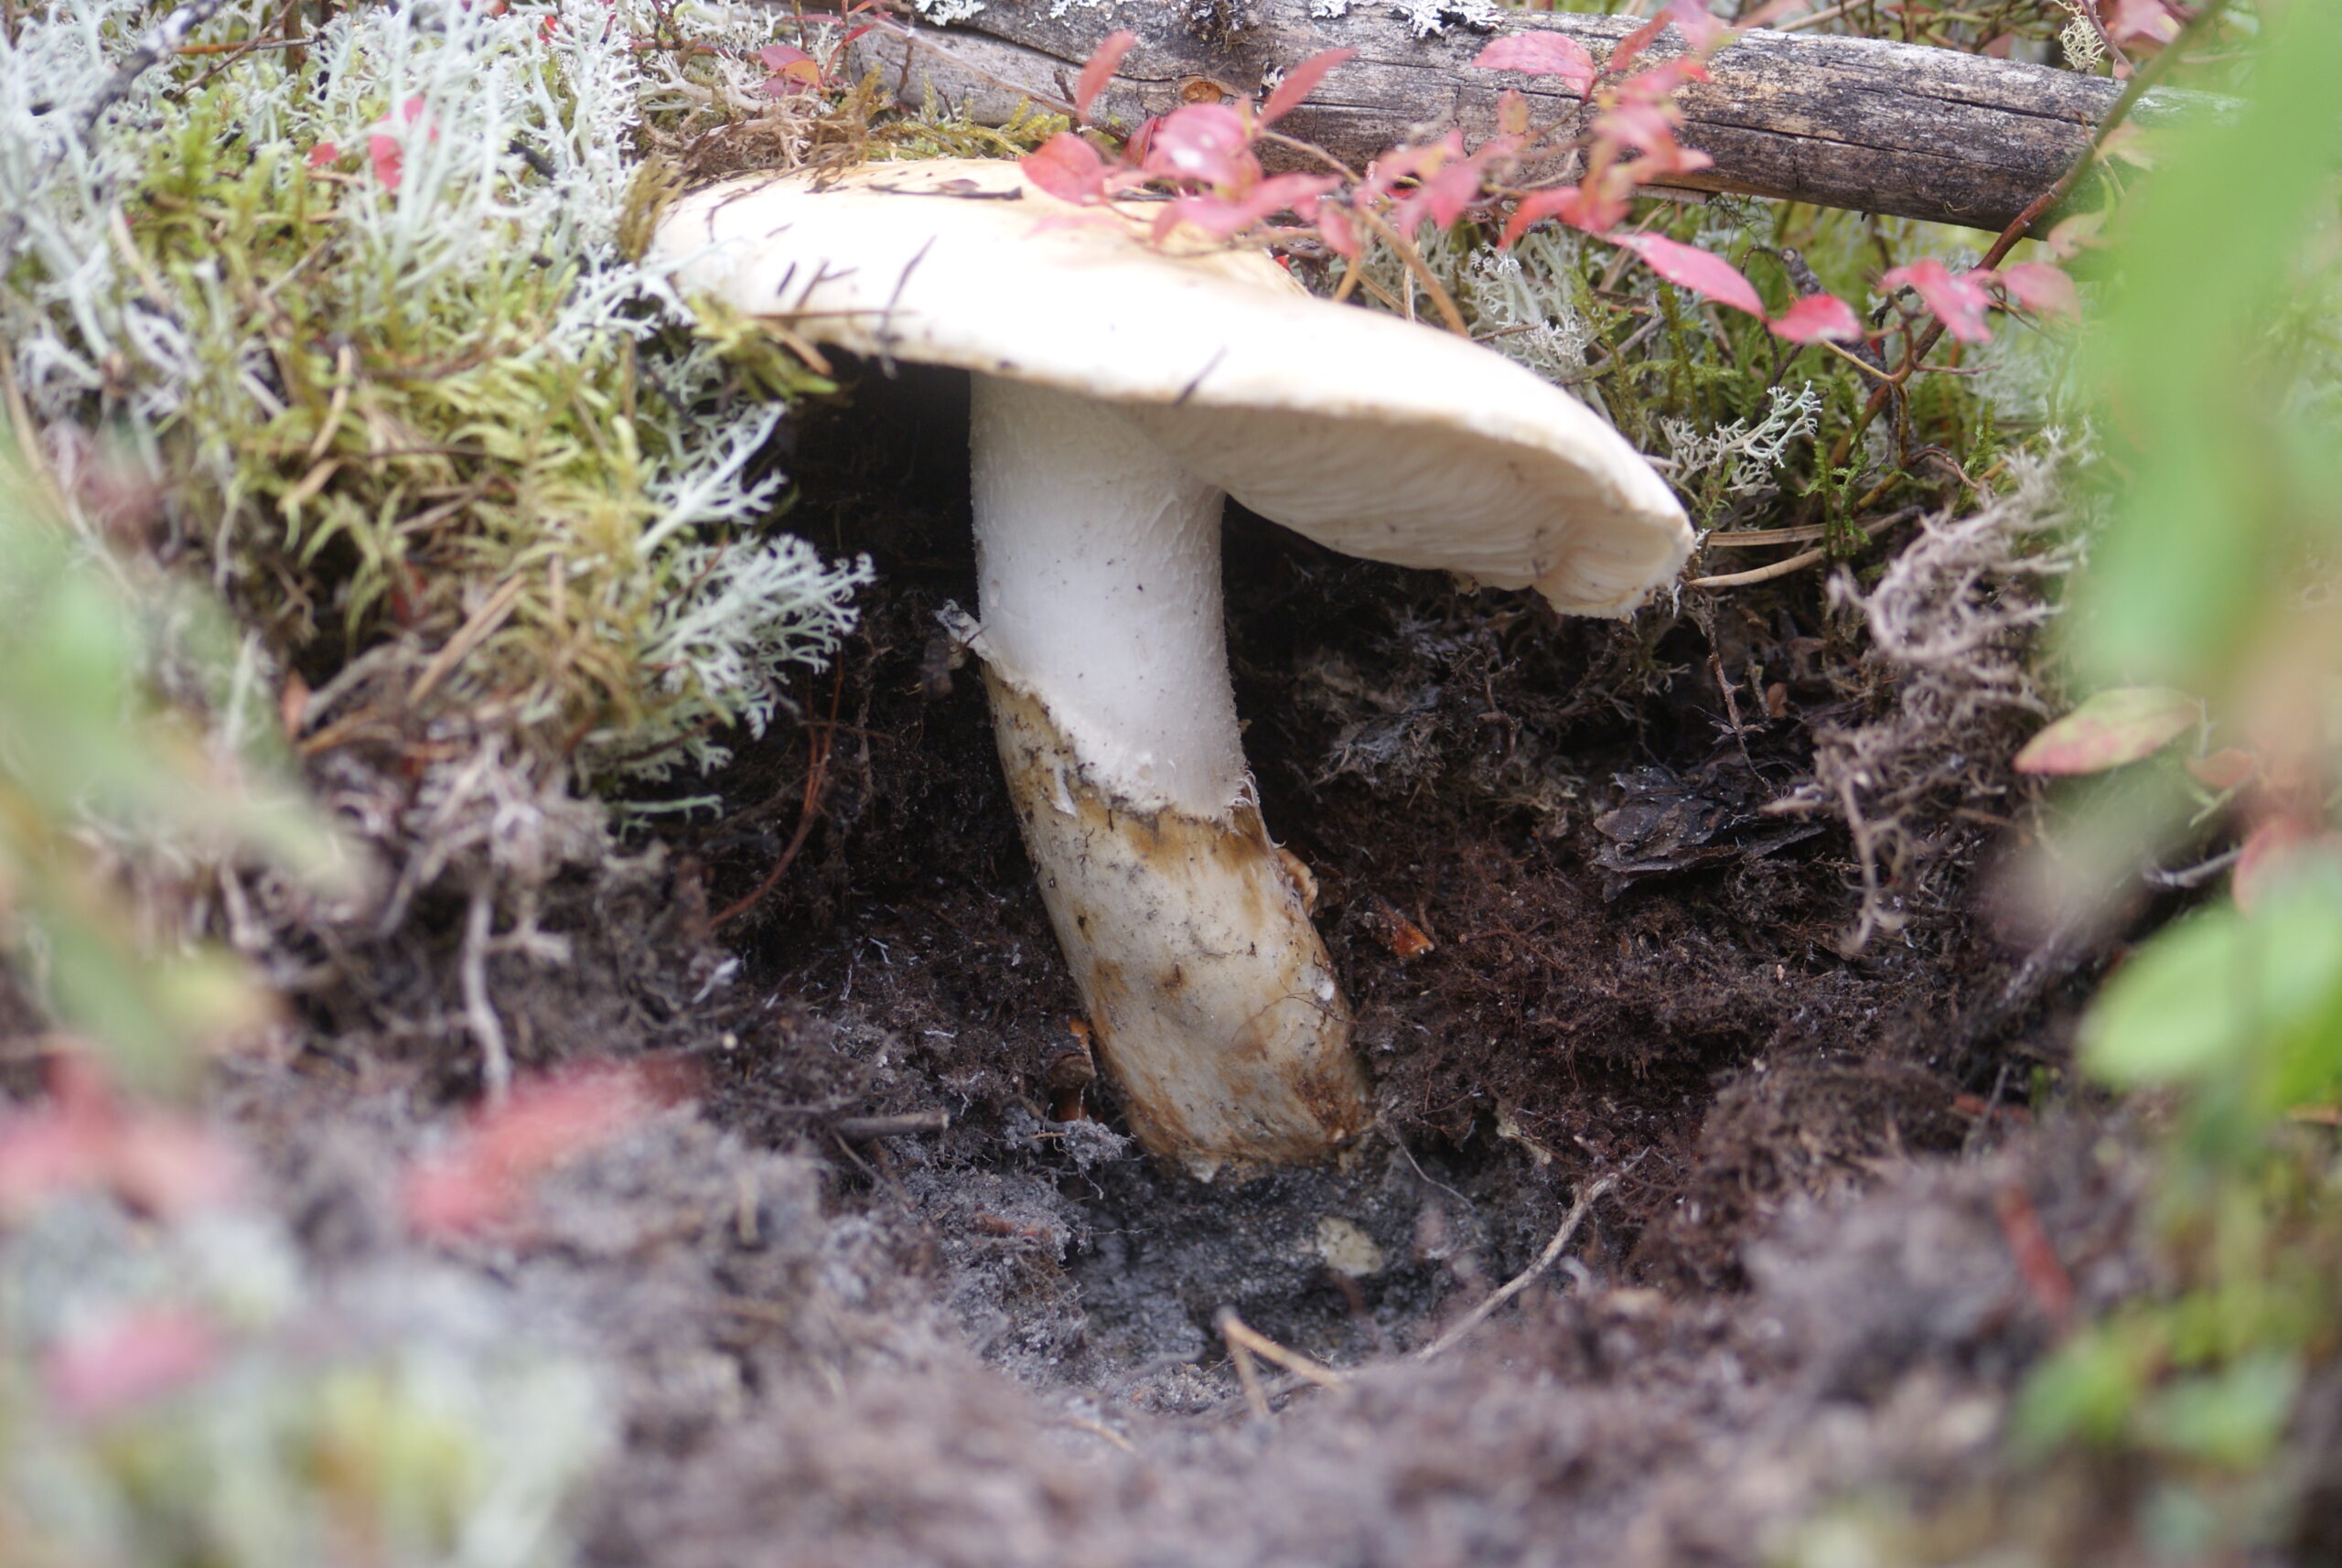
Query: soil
(1579,947)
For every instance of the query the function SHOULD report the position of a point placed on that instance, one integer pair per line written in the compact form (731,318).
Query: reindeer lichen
(364,302)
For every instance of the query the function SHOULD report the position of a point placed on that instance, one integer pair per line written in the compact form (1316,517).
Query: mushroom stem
(1187,930)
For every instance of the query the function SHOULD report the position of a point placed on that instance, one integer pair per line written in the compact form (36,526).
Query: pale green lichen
(364,305)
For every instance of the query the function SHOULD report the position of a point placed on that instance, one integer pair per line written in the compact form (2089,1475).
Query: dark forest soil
(996,1343)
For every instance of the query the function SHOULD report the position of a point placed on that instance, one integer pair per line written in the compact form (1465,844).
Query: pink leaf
(1221,216)
(2128,21)
(1066,167)
(1634,44)
(1653,84)
(385,149)
(2225,770)
(1443,198)
(1643,125)
(2042,287)
(1512,113)
(1959,302)
(1540,54)
(1702,30)
(2116,726)
(1416,161)
(483,1180)
(1334,228)
(82,1138)
(1672,158)
(2275,851)
(793,70)
(1300,83)
(1204,143)
(323,153)
(1816,316)
(1705,273)
(97,1371)
(388,157)
(1098,69)
(1595,214)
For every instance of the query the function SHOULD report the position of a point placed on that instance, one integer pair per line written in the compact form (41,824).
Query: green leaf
(2122,724)
(2232,1417)
(2223,996)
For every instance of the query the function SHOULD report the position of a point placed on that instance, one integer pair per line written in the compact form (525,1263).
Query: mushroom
(1120,393)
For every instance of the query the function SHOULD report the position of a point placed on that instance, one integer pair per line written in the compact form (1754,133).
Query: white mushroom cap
(1375,436)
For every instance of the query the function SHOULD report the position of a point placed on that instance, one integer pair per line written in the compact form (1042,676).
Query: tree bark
(1882,127)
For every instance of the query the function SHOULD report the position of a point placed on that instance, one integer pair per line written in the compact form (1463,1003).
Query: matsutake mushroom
(1120,393)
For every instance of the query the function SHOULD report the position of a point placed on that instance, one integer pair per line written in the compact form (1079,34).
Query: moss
(370,307)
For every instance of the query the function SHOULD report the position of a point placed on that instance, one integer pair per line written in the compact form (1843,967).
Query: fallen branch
(1851,122)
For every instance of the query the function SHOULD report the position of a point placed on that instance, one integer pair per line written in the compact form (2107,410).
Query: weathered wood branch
(1851,122)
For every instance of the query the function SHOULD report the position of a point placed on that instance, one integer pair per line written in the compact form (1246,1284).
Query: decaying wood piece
(1852,123)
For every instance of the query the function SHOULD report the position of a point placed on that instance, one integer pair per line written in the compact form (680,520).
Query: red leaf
(1512,113)
(1654,84)
(1634,43)
(1221,216)
(2116,726)
(2043,287)
(1959,302)
(1066,167)
(1098,69)
(82,1138)
(1204,143)
(2075,235)
(1643,125)
(1334,227)
(1816,316)
(385,150)
(2128,21)
(1705,273)
(1416,161)
(96,1372)
(389,158)
(1595,214)
(482,1181)
(1300,83)
(1672,158)
(2225,769)
(1540,54)
(324,153)
(2273,852)
(1443,198)
(1702,30)
(793,70)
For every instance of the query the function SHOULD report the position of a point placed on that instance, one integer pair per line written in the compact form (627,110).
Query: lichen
(364,303)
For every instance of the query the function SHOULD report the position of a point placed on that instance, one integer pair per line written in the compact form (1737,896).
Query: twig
(479,1013)
(1818,18)
(1249,1376)
(1097,1429)
(1244,1342)
(864,1129)
(163,40)
(817,770)
(1747,539)
(1797,563)
(1521,1281)
(1236,1331)
(476,630)
(1406,250)
(2036,1254)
